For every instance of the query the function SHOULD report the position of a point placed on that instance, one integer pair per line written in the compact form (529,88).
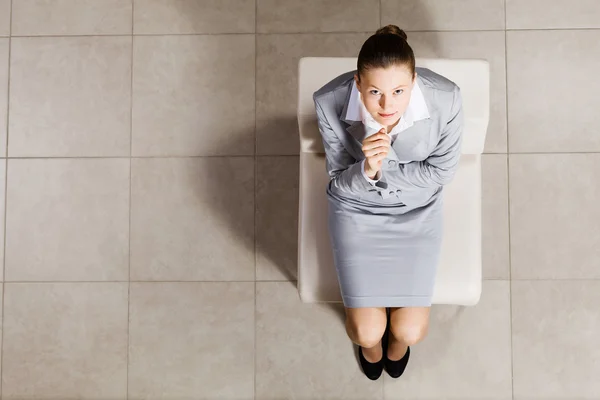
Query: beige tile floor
(150,155)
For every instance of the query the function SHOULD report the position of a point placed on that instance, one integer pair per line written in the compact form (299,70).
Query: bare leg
(365,327)
(408,326)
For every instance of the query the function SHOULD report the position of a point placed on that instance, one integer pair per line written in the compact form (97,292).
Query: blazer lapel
(357,130)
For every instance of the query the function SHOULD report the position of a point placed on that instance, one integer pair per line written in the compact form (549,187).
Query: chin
(387,122)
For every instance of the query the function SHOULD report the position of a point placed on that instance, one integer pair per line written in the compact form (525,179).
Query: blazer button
(392,163)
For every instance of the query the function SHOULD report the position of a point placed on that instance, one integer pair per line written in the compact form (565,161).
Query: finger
(378,143)
(376,158)
(380,157)
(381,136)
(384,139)
(377,136)
(378,150)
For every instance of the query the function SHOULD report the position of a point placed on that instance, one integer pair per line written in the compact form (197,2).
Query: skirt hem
(386,301)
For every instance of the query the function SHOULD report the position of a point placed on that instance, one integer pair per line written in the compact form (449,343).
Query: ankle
(373,354)
(396,350)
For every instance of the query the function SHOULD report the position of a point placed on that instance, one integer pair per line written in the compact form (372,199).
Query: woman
(392,137)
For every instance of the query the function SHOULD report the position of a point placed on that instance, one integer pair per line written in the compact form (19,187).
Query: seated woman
(392,136)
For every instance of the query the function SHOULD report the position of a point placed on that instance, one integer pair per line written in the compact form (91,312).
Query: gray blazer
(421,160)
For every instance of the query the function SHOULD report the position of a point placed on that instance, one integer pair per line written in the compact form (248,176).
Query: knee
(409,333)
(365,335)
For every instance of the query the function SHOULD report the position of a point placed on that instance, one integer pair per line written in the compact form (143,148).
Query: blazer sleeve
(440,167)
(345,172)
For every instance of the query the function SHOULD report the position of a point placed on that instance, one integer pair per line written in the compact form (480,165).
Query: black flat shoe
(394,368)
(371,370)
(374,370)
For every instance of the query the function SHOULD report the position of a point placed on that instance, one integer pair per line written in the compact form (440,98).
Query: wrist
(370,173)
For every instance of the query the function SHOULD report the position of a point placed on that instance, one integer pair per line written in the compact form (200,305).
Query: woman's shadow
(273,236)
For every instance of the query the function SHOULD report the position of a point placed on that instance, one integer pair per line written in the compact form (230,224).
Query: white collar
(416,110)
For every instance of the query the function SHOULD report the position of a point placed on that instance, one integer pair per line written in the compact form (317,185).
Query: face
(386,92)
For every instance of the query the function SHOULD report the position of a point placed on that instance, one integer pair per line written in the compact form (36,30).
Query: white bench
(459,274)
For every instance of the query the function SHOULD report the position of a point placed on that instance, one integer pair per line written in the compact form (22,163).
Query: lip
(386,115)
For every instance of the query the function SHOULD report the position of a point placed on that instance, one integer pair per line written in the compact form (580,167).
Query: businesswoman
(392,136)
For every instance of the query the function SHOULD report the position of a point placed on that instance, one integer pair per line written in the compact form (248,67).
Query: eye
(399,91)
(374,92)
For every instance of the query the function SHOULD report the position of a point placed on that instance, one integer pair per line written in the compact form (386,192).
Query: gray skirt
(385,255)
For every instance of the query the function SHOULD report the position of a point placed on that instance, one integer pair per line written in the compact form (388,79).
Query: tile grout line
(2,327)
(380,26)
(130,202)
(135,157)
(307,33)
(550,29)
(255,176)
(512,361)
(286,281)
(267,33)
(293,281)
(257,156)
(383,380)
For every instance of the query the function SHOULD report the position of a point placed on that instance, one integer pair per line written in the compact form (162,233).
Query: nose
(385,104)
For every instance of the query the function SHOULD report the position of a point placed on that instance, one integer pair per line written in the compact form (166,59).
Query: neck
(390,127)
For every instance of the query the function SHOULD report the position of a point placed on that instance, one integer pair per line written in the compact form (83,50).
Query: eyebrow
(397,87)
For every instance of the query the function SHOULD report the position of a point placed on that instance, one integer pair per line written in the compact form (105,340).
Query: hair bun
(393,30)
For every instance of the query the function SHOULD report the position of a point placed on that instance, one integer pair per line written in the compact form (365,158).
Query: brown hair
(387,47)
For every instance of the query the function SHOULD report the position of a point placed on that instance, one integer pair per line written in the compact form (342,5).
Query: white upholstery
(459,274)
